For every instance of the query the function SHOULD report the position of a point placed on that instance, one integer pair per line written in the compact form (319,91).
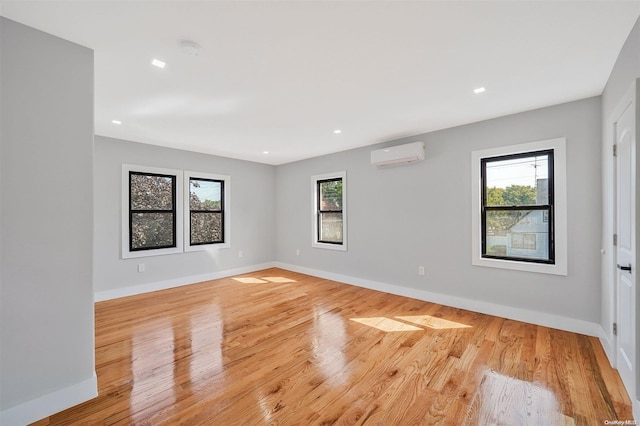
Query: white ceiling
(282,76)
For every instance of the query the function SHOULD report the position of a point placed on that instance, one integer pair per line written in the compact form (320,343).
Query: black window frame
(320,211)
(221,211)
(173,211)
(548,208)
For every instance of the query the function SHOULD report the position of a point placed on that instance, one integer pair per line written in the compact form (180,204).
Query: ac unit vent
(398,155)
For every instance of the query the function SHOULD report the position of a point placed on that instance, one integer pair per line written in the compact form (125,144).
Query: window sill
(338,247)
(542,268)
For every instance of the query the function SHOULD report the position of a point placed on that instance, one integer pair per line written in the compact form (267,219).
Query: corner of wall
(51,403)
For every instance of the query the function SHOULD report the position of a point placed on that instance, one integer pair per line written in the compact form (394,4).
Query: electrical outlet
(421,270)
(240,253)
(297,252)
(141,267)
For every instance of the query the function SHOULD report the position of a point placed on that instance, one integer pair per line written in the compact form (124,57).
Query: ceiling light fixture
(158,63)
(479,90)
(337,131)
(116,122)
(265,152)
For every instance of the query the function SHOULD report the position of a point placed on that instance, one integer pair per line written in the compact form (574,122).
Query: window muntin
(152,211)
(517,200)
(330,211)
(206,211)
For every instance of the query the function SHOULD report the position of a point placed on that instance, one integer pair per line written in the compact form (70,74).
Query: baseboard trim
(607,345)
(176,282)
(610,351)
(533,317)
(51,403)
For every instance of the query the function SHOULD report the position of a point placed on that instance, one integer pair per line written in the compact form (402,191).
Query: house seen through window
(518,207)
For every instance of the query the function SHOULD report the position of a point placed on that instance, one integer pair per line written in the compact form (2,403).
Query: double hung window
(207,208)
(329,211)
(519,207)
(152,211)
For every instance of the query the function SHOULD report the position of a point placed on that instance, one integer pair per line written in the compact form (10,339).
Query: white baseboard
(518,314)
(607,344)
(51,403)
(176,282)
(610,351)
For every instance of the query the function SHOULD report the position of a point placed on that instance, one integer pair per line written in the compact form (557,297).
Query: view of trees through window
(206,211)
(499,222)
(152,211)
(330,211)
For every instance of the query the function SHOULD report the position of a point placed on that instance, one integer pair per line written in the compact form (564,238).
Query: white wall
(625,71)
(46,318)
(419,214)
(252,219)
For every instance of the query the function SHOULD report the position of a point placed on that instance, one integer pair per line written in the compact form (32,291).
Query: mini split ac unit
(397,155)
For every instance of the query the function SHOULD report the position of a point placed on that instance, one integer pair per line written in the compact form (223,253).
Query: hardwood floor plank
(283,348)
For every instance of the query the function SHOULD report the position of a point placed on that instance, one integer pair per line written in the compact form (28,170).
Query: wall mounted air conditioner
(397,155)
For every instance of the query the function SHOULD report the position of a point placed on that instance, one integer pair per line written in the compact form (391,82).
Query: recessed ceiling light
(337,131)
(479,90)
(265,152)
(158,63)
(116,121)
(190,48)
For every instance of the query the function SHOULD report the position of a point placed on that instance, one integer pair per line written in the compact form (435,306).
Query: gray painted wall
(419,214)
(47,214)
(252,215)
(626,69)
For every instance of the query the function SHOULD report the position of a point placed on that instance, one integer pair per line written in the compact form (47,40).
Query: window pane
(205,194)
(206,228)
(518,181)
(331,227)
(151,230)
(521,233)
(331,195)
(151,192)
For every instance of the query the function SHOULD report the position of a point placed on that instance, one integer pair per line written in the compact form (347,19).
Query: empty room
(319,212)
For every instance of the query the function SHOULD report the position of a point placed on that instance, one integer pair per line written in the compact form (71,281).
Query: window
(207,205)
(517,192)
(151,214)
(152,211)
(153,206)
(519,214)
(329,210)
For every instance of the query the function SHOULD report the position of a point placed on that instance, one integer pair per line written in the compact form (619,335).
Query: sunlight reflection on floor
(249,280)
(503,400)
(433,322)
(263,280)
(386,324)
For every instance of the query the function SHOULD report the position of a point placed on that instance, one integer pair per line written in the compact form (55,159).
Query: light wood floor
(283,348)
